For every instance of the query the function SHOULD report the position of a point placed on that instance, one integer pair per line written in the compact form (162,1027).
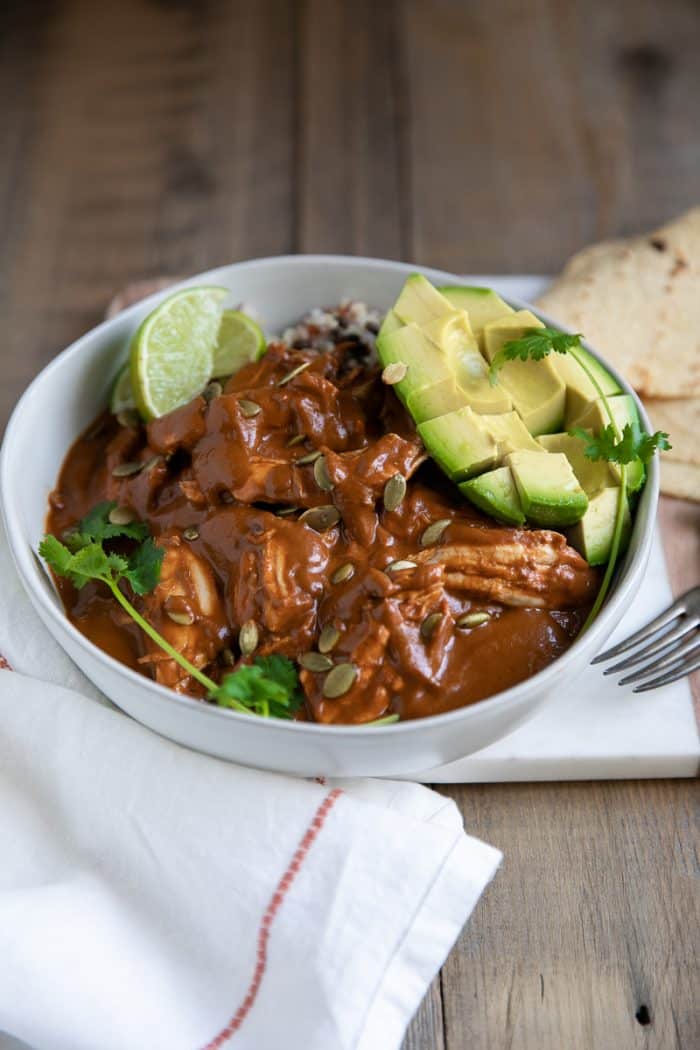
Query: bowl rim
(23,555)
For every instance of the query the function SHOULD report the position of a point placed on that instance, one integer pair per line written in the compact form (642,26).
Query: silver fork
(673,646)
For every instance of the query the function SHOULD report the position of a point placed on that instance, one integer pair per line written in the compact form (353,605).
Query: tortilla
(638,302)
(681,420)
(680,479)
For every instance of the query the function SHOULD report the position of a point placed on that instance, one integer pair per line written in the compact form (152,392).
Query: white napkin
(152,898)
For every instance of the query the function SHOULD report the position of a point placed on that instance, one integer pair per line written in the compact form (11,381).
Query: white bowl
(70,392)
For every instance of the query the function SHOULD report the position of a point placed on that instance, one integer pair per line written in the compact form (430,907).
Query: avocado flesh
(593,474)
(592,536)
(538,393)
(419,302)
(549,492)
(580,390)
(624,411)
(391,323)
(459,443)
(482,305)
(435,400)
(496,494)
(425,364)
(510,433)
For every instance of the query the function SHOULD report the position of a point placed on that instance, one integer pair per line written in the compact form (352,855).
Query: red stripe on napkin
(4,666)
(266,922)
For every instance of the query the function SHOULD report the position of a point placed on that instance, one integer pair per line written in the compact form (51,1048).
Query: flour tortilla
(680,479)
(638,302)
(681,420)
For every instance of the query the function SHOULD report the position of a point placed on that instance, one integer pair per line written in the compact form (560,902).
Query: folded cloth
(152,897)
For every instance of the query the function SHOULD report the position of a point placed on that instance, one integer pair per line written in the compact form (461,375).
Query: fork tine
(686,649)
(660,646)
(686,667)
(643,633)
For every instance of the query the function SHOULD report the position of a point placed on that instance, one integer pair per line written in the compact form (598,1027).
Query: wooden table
(141,138)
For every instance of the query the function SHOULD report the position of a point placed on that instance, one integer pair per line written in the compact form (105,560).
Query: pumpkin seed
(248,637)
(394,373)
(249,408)
(316,662)
(212,390)
(339,681)
(321,475)
(191,533)
(310,457)
(128,417)
(227,657)
(430,625)
(400,565)
(473,619)
(294,372)
(181,616)
(298,439)
(321,518)
(394,492)
(121,516)
(328,639)
(433,533)
(151,463)
(126,470)
(343,573)
(284,512)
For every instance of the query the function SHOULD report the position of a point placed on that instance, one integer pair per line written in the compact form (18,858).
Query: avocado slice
(482,305)
(453,334)
(495,493)
(624,412)
(426,365)
(390,324)
(580,390)
(592,535)
(593,474)
(538,393)
(460,443)
(510,433)
(419,302)
(549,492)
(435,400)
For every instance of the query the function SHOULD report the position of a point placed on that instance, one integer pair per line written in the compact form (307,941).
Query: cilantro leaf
(143,568)
(267,687)
(632,445)
(536,344)
(56,555)
(96,526)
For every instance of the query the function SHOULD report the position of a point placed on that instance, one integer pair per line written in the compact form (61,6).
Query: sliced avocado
(419,302)
(425,364)
(593,474)
(624,412)
(510,433)
(580,390)
(460,443)
(390,324)
(592,536)
(435,400)
(482,305)
(450,331)
(548,489)
(496,494)
(538,393)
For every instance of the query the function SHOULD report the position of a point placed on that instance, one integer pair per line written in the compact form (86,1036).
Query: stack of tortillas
(638,302)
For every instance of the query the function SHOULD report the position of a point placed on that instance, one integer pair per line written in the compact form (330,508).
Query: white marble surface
(599,730)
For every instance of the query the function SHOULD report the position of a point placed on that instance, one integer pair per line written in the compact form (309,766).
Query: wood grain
(148,137)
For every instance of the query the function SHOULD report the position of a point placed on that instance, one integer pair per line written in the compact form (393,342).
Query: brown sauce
(217,482)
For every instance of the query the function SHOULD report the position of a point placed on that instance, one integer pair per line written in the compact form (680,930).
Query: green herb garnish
(632,444)
(534,345)
(268,687)
(611,444)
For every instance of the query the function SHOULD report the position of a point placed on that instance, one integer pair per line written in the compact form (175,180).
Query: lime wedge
(241,340)
(172,353)
(122,396)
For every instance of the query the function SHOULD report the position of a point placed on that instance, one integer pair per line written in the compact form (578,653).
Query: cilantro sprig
(268,687)
(632,444)
(533,346)
(610,443)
